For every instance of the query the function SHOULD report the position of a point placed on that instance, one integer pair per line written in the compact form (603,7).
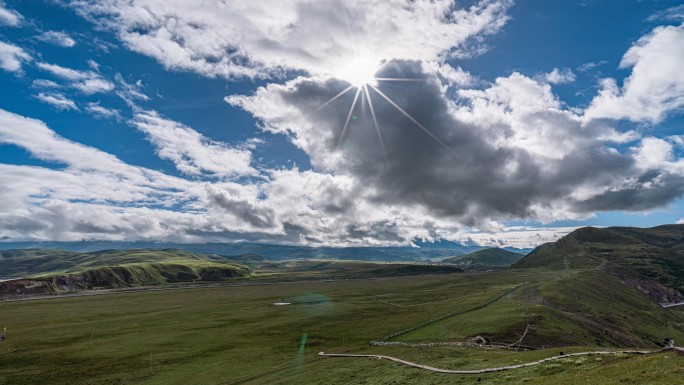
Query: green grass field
(227,335)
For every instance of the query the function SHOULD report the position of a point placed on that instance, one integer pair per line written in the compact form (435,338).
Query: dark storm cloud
(384,231)
(257,216)
(473,170)
(650,190)
(447,166)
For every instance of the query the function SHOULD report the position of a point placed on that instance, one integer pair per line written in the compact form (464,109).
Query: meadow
(235,334)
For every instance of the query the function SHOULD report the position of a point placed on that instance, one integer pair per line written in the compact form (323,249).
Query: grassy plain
(234,334)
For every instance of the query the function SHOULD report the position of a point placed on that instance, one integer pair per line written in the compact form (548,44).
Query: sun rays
(360,74)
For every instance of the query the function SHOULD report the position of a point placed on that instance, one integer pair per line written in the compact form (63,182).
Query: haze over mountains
(423,252)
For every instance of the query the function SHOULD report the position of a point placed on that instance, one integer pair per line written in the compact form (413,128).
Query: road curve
(496,369)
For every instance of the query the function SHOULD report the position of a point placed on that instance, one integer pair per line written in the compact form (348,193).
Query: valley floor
(235,335)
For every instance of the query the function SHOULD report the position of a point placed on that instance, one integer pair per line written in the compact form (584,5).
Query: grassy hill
(494,257)
(651,259)
(39,271)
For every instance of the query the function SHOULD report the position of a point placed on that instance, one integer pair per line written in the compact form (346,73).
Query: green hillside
(40,271)
(651,260)
(494,257)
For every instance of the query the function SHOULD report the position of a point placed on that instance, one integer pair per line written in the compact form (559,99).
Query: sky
(340,122)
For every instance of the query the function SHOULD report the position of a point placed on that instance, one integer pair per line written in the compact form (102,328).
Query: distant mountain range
(425,251)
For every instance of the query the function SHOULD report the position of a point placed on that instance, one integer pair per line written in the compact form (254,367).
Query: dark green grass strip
(451,314)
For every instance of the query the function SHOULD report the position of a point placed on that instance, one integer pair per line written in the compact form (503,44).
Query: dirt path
(496,369)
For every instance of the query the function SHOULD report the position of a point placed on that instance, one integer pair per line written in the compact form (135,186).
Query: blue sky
(339,122)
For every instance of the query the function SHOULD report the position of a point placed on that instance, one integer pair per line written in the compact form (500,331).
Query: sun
(360,71)
(360,74)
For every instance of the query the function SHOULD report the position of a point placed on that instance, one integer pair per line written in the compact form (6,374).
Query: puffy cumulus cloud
(94,195)
(318,208)
(256,39)
(655,86)
(507,151)
(91,187)
(57,100)
(88,82)
(191,152)
(659,180)
(9,17)
(12,57)
(61,39)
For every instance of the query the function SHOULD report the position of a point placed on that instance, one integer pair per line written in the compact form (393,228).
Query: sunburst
(360,74)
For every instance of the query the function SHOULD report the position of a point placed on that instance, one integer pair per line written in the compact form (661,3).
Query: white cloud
(130,93)
(247,38)
(98,111)
(94,85)
(44,83)
(591,65)
(508,151)
(57,100)
(9,17)
(559,76)
(654,89)
(12,57)
(675,13)
(103,176)
(88,82)
(450,75)
(94,65)
(97,196)
(190,151)
(61,39)
(63,72)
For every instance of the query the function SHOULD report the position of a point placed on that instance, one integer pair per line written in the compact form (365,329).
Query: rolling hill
(41,271)
(494,257)
(648,259)
(610,295)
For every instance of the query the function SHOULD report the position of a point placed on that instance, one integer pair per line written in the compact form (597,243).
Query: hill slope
(651,260)
(40,271)
(494,257)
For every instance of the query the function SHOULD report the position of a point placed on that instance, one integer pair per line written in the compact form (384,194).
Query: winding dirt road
(496,369)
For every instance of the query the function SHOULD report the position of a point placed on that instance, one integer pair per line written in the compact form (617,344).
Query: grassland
(492,257)
(227,335)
